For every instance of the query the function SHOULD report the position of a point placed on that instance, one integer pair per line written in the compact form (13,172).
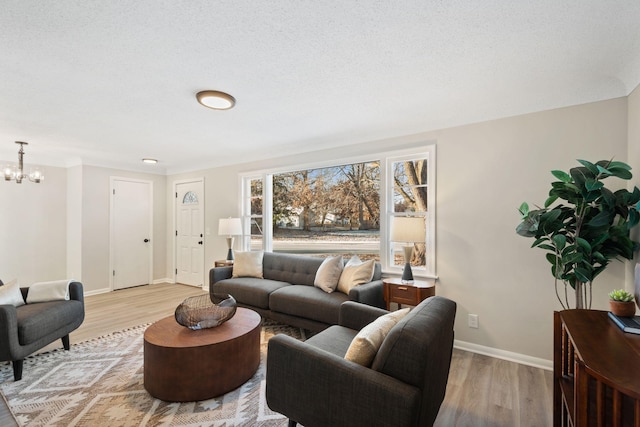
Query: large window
(343,209)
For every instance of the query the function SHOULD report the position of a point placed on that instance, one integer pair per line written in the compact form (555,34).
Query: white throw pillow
(329,273)
(355,273)
(10,294)
(248,264)
(367,342)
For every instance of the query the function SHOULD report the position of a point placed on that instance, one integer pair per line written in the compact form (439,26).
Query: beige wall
(485,171)
(633,138)
(33,228)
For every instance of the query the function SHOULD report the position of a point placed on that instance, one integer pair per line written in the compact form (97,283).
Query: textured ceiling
(110,82)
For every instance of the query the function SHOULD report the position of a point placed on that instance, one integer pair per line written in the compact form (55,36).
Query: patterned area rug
(100,383)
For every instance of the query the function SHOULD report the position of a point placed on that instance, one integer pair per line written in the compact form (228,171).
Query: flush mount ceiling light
(215,99)
(150,161)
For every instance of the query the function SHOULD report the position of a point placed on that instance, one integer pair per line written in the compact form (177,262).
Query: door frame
(205,284)
(112,180)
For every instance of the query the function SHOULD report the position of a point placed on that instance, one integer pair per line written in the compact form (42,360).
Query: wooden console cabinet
(596,371)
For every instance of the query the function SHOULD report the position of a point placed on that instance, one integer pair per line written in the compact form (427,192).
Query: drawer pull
(403,288)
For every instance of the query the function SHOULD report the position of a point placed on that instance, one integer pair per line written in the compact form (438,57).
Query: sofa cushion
(10,294)
(295,269)
(366,343)
(43,318)
(335,339)
(329,273)
(249,290)
(308,302)
(356,273)
(248,264)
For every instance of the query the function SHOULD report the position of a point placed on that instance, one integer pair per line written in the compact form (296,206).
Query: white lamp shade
(408,229)
(229,227)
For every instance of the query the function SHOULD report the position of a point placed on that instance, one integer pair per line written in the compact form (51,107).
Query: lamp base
(407,274)
(230,245)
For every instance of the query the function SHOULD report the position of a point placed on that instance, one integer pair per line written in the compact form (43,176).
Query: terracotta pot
(623,309)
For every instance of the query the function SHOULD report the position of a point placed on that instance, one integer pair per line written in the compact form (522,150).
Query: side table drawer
(404,294)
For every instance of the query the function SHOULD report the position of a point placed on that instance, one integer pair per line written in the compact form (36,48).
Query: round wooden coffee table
(181,365)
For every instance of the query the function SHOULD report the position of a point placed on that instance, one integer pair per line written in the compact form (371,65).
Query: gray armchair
(311,382)
(28,328)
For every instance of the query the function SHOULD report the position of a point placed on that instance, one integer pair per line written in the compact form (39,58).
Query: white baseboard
(523,359)
(97,292)
(165,280)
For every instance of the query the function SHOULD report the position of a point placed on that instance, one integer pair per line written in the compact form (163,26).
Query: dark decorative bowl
(203,312)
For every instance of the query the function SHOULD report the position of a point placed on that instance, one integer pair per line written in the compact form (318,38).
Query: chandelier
(12,172)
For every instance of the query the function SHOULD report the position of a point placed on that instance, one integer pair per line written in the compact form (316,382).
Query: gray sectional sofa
(287,294)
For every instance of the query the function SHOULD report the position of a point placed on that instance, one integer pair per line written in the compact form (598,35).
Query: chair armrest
(8,331)
(302,381)
(371,293)
(354,315)
(76,292)
(219,273)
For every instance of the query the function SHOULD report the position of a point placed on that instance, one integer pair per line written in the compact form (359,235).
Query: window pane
(256,234)
(410,186)
(190,198)
(333,210)
(256,197)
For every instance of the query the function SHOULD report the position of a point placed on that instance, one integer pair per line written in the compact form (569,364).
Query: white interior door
(190,233)
(131,229)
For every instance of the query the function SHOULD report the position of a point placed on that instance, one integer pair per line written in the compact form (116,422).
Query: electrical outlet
(473,321)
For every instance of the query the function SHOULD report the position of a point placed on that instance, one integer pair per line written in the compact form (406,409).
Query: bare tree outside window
(410,179)
(328,210)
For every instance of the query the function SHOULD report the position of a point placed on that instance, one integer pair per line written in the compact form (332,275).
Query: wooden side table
(223,263)
(407,293)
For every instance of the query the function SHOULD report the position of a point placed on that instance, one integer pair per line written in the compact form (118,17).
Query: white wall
(633,139)
(33,228)
(485,171)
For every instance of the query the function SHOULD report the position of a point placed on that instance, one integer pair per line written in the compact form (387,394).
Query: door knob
(146,240)
(200,242)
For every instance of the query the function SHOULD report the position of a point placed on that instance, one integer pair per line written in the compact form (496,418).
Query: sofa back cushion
(418,350)
(294,269)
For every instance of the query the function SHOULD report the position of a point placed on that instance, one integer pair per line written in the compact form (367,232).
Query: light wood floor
(482,391)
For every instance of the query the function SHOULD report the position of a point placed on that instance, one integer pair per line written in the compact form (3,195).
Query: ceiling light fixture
(150,161)
(216,99)
(12,172)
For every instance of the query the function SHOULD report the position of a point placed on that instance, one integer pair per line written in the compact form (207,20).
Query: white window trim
(426,150)
(429,270)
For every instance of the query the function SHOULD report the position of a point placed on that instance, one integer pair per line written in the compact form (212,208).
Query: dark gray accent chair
(311,383)
(30,327)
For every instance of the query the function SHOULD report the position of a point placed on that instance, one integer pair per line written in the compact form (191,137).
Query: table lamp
(230,227)
(408,230)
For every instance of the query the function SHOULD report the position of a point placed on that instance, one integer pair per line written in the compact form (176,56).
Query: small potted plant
(621,303)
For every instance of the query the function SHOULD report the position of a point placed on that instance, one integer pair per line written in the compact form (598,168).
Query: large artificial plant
(587,229)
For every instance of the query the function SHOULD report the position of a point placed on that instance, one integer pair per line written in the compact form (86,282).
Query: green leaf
(620,173)
(572,258)
(592,184)
(582,274)
(538,241)
(603,218)
(603,171)
(550,215)
(524,209)
(551,258)
(561,175)
(633,219)
(547,247)
(560,240)
(583,244)
(590,166)
(619,165)
(550,200)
